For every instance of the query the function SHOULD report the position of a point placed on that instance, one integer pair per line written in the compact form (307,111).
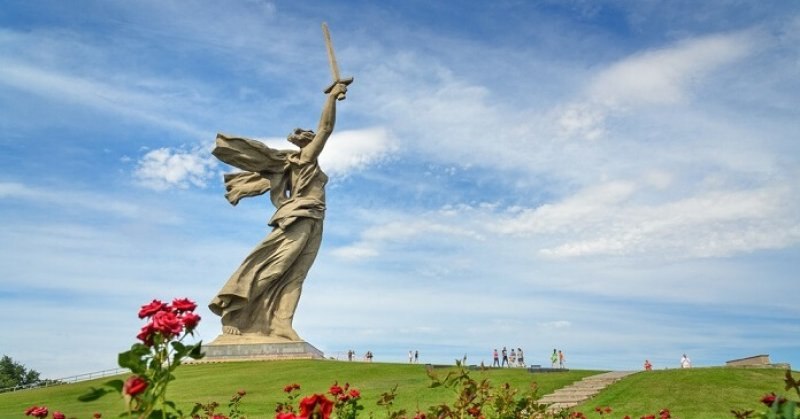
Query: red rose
(287,415)
(58,415)
(354,393)
(167,323)
(316,404)
(134,385)
(335,390)
(771,398)
(183,304)
(241,392)
(151,309)
(146,334)
(290,387)
(420,415)
(97,415)
(190,320)
(37,411)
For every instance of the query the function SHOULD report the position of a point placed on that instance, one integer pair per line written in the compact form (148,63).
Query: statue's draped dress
(267,285)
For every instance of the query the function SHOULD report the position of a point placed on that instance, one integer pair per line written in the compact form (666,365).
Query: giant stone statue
(261,296)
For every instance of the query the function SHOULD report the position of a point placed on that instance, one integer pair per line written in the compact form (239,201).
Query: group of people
(515,358)
(413,357)
(351,355)
(557,358)
(685,363)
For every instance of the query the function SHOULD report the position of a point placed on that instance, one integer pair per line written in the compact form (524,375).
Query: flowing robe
(266,287)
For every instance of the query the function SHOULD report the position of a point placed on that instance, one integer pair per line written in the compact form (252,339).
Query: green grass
(696,393)
(264,382)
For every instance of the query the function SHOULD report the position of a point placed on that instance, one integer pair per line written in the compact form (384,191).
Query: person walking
(505,357)
(520,358)
(560,359)
(495,358)
(554,358)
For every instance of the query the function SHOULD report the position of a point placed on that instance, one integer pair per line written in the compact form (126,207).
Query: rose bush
(153,360)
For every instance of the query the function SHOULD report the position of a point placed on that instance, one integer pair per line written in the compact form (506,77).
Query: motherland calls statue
(261,297)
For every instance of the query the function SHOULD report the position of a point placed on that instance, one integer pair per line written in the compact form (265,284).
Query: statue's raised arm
(310,150)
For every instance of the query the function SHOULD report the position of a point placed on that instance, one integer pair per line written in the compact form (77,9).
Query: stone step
(591,385)
(565,398)
(580,391)
(555,407)
(574,393)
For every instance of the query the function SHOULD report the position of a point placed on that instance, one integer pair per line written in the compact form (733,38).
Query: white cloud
(105,96)
(375,239)
(355,252)
(77,200)
(713,223)
(581,120)
(166,168)
(556,324)
(664,76)
(353,150)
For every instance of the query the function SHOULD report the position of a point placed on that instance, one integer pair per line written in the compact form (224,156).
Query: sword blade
(331,56)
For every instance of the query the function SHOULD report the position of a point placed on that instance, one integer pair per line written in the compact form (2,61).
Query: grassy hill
(696,393)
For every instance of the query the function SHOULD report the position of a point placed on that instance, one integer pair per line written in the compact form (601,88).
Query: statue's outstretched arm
(326,122)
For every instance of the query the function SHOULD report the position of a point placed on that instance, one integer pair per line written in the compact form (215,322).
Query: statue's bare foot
(287,333)
(231,330)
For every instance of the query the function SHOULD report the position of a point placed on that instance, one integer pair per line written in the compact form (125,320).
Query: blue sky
(615,179)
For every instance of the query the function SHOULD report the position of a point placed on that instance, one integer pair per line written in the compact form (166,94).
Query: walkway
(580,391)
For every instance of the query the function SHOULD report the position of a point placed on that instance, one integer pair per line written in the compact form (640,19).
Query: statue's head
(301,137)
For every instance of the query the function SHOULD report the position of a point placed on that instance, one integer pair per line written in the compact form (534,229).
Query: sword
(334,66)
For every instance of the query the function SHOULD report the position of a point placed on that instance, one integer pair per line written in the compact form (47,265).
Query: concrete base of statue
(227,348)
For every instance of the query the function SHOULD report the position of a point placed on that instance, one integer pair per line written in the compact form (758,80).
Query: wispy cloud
(666,76)
(166,168)
(96,94)
(77,200)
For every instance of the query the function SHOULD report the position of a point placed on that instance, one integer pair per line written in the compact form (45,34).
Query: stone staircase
(580,391)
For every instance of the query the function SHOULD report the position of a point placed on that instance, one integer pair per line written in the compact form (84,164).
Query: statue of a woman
(261,296)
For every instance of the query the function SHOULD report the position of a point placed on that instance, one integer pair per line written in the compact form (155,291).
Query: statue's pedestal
(257,347)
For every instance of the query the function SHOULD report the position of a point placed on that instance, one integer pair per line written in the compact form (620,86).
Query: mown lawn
(264,382)
(696,393)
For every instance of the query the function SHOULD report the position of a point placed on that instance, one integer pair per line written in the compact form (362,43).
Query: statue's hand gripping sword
(334,66)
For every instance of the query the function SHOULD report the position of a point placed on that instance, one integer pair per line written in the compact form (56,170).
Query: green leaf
(132,360)
(94,394)
(115,384)
(788,409)
(179,347)
(196,351)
